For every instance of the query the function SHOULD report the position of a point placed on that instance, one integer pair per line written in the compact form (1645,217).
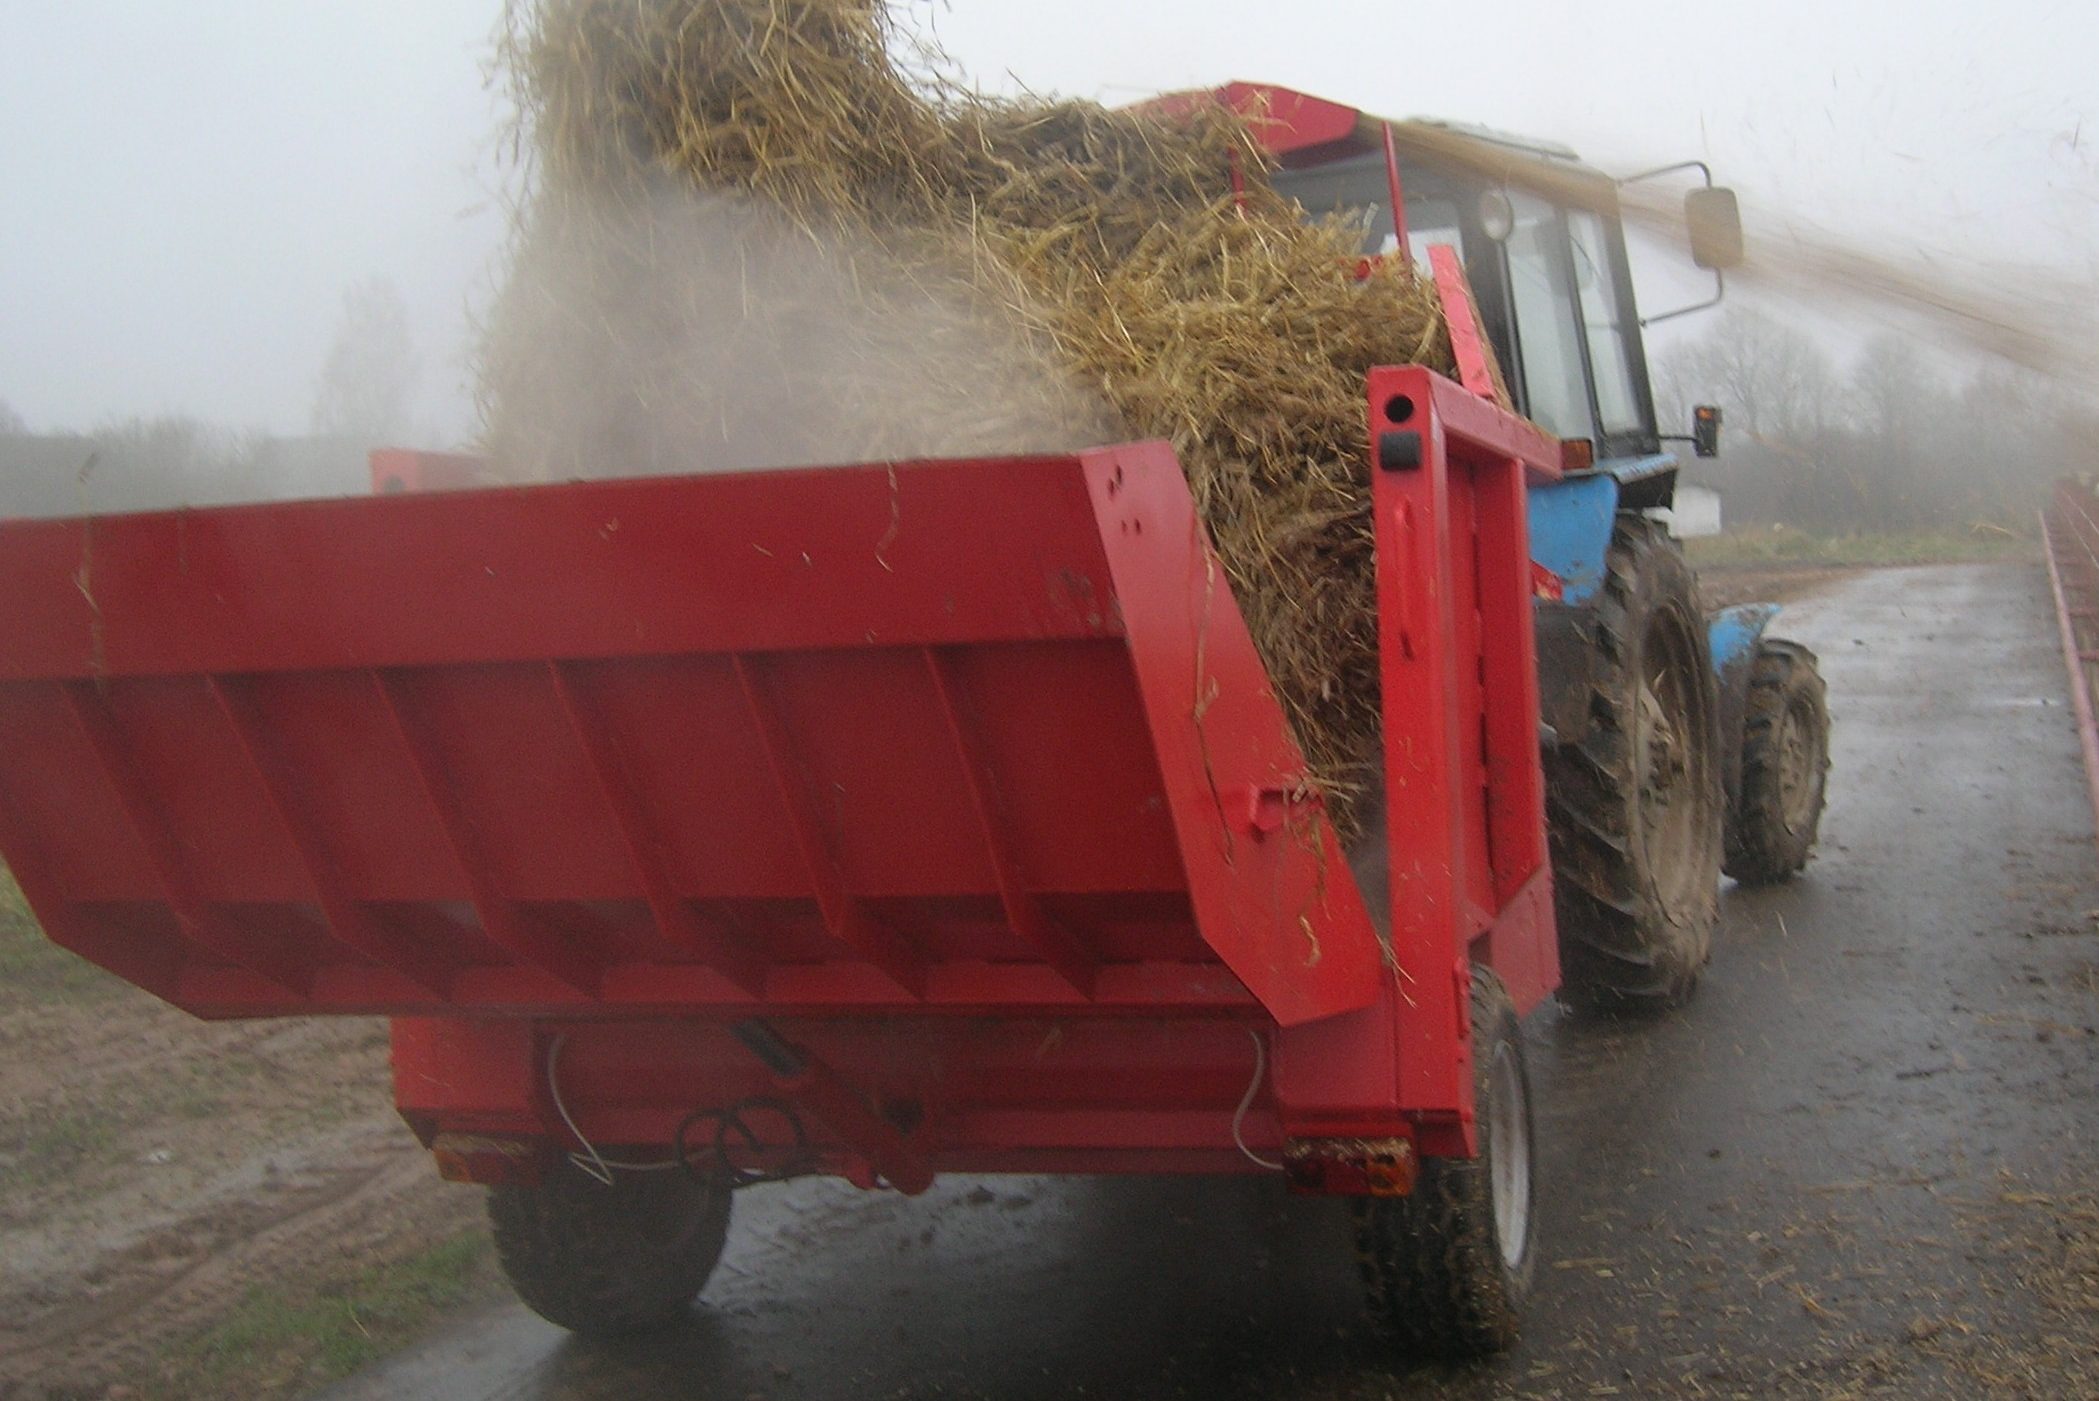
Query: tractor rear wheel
(610,1259)
(1446,1269)
(1785,766)
(1634,805)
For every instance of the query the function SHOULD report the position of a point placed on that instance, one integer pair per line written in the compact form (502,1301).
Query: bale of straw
(738,206)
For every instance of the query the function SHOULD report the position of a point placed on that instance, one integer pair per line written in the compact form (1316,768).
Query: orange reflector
(1351,1167)
(491,1162)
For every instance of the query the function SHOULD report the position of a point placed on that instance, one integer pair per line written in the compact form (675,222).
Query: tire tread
(610,1261)
(1760,848)
(1432,1271)
(1619,951)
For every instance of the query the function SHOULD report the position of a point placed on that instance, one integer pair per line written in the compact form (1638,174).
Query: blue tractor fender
(1571,521)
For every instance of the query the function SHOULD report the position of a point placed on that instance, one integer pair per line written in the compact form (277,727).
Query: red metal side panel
(945,736)
(999,550)
(1271,890)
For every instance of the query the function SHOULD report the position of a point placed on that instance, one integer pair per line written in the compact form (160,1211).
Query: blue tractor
(1677,744)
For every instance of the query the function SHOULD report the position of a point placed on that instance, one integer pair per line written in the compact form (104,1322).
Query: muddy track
(193,1272)
(1724,586)
(155,1169)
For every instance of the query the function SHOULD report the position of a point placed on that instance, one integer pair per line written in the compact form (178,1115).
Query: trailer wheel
(1634,804)
(1446,1270)
(610,1260)
(1785,766)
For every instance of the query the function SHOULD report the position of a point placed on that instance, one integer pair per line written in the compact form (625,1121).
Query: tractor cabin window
(1617,404)
(1555,380)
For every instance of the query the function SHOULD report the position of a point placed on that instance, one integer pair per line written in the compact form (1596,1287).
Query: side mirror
(1714,219)
(1705,430)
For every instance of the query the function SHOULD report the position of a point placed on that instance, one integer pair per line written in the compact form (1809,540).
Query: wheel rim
(1798,771)
(1509,1157)
(1667,768)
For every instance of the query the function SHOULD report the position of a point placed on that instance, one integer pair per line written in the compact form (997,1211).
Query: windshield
(1357,189)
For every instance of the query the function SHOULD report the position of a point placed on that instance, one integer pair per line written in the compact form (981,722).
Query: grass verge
(32,968)
(1784,544)
(287,1339)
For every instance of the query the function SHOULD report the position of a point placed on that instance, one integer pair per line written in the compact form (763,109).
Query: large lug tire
(1785,766)
(1634,804)
(610,1260)
(1447,1269)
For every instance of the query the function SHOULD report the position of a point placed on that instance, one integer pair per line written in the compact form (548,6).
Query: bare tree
(1891,443)
(1774,381)
(1895,389)
(11,423)
(368,383)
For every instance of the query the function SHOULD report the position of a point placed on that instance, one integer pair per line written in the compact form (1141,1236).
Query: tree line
(1889,442)
(364,397)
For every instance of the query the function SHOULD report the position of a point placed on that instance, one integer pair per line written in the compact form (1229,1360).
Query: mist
(710,333)
(198,190)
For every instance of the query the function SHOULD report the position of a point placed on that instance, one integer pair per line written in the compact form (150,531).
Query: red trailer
(879,821)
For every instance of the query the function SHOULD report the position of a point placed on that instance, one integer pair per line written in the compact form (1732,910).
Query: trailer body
(961,778)
(891,819)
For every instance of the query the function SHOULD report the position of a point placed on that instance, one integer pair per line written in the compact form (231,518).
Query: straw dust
(739,208)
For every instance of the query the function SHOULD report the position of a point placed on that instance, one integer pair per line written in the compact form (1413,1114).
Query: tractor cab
(1550,280)
(1543,247)
(1542,242)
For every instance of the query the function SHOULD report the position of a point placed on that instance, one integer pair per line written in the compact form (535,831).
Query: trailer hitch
(738,1133)
(819,1091)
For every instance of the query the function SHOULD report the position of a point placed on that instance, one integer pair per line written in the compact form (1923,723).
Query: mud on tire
(1785,766)
(1446,1270)
(1634,803)
(610,1260)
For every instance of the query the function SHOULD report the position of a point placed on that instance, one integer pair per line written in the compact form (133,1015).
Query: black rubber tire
(1636,924)
(610,1260)
(1785,721)
(1435,1273)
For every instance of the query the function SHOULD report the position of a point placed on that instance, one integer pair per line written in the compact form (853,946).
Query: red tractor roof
(1302,130)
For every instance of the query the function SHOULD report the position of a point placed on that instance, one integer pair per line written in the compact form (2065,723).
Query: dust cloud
(709,333)
(2037,318)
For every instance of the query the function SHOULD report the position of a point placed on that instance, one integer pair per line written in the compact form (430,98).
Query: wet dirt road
(1858,1164)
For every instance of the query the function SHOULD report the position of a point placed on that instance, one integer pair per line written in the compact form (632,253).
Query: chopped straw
(739,209)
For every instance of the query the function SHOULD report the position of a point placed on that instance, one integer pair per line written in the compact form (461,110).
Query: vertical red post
(1468,340)
(1463,784)
(1423,713)
(1398,192)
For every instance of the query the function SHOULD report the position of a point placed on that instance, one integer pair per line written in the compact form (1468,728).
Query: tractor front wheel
(610,1259)
(1785,766)
(1446,1269)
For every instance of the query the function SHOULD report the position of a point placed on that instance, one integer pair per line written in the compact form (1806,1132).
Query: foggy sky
(186,190)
